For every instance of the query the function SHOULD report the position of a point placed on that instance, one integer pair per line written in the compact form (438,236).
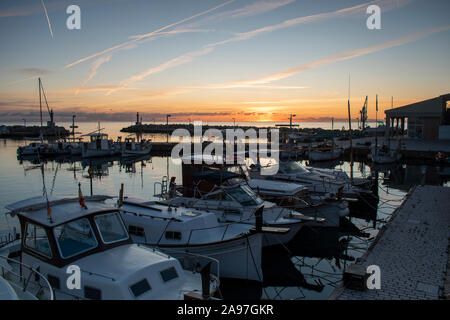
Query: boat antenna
(49,209)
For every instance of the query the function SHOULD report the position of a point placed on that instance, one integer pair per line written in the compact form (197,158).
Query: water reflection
(307,268)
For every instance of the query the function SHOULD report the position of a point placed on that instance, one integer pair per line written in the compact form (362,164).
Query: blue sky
(214,60)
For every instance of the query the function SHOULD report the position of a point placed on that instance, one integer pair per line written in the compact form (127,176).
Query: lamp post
(290,120)
(167,126)
(24,122)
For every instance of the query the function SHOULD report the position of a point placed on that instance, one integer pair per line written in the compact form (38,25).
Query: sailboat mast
(376,127)
(40,100)
(350,132)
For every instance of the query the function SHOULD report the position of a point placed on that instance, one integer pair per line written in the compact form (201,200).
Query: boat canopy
(292,167)
(62,209)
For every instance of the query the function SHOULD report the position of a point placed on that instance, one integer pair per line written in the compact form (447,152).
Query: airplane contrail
(143,36)
(346,55)
(48,20)
(190,56)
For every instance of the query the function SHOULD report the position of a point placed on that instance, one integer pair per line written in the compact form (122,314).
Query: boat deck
(411,250)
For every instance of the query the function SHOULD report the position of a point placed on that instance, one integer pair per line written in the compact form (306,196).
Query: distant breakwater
(162,128)
(314,133)
(21,132)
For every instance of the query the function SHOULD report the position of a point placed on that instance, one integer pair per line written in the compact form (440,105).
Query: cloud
(189,56)
(104,88)
(185,58)
(20,11)
(346,55)
(144,36)
(94,67)
(32,72)
(341,13)
(253,9)
(83,116)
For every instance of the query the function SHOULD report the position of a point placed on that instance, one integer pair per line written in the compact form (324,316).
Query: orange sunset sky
(215,60)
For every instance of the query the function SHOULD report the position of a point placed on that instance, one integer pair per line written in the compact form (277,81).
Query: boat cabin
(98,141)
(94,240)
(202,175)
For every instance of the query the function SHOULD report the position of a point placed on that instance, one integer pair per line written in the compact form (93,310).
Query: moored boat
(88,236)
(178,230)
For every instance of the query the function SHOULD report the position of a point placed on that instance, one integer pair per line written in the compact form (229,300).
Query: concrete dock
(411,250)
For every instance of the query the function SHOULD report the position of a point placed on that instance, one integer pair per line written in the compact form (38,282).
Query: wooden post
(90,179)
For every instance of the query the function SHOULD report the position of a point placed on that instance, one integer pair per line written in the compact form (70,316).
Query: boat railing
(222,237)
(32,281)
(194,264)
(8,239)
(98,275)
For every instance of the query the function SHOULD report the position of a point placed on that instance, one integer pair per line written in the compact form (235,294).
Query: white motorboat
(179,230)
(317,181)
(239,203)
(326,210)
(31,149)
(70,238)
(98,146)
(325,154)
(131,148)
(384,155)
(341,175)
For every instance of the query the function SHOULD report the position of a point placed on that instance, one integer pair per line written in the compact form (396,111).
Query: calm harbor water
(310,268)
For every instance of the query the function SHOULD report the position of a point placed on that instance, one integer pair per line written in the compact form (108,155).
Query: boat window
(111,227)
(218,196)
(245,196)
(169,274)
(92,293)
(54,281)
(137,231)
(75,237)
(292,167)
(36,239)
(139,288)
(174,235)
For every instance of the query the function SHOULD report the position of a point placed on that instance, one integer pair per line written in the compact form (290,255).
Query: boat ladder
(162,188)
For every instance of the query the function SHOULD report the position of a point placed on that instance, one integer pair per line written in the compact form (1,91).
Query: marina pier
(411,250)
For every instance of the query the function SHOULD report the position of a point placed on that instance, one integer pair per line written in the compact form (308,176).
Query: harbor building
(427,120)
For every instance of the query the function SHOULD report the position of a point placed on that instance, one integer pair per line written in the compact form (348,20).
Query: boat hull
(129,154)
(239,258)
(273,239)
(318,155)
(97,153)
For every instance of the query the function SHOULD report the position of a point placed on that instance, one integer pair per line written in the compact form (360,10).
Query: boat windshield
(111,227)
(240,170)
(292,167)
(245,196)
(75,237)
